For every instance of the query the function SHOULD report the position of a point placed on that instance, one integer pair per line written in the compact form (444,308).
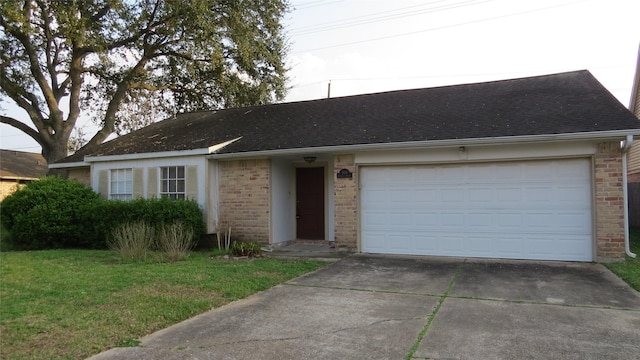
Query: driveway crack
(324,333)
(431,317)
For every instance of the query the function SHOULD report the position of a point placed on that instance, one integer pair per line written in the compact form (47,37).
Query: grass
(71,304)
(629,270)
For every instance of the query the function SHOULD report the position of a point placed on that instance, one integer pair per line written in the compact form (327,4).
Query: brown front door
(310,203)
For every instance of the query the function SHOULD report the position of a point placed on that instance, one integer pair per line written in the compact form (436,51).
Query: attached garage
(538,210)
(529,168)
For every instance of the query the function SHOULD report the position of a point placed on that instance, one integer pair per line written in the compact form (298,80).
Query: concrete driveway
(385,307)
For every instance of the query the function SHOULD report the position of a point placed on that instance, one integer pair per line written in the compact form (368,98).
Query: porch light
(309,159)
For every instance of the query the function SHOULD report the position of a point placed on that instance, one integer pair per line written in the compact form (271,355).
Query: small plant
(249,249)
(132,240)
(175,241)
(223,234)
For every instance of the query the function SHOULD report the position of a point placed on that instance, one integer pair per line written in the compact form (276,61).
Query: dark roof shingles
(573,102)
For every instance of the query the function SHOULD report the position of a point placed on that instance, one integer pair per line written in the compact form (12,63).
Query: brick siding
(81,175)
(609,202)
(345,199)
(245,199)
(8,187)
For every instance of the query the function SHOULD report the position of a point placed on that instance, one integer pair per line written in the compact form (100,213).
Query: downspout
(626,145)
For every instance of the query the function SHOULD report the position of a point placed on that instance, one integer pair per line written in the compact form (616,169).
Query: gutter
(68,165)
(626,145)
(505,140)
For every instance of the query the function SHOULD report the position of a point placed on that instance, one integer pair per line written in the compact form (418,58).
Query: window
(121,184)
(172,182)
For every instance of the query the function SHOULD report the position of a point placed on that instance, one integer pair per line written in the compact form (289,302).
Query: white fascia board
(151,155)
(505,140)
(69,165)
(156,155)
(217,147)
(17,178)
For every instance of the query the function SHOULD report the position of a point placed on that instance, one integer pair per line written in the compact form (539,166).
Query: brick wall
(81,175)
(609,202)
(244,199)
(8,187)
(345,199)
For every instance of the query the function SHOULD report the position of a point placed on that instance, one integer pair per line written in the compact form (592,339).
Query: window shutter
(103,183)
(192,183)
(152,185)
(138,183)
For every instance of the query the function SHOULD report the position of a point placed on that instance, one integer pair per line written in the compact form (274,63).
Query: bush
(132,240)
(175,241)
(55,213)
(48,213)
(159,212)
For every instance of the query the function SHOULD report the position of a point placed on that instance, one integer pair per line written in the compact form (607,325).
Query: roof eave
(76,164)
(504,140)
(141,156)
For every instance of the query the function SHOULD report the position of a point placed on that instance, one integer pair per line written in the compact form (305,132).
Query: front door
(310,203)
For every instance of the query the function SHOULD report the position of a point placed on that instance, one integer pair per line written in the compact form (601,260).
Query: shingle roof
(21,165)
(573,102)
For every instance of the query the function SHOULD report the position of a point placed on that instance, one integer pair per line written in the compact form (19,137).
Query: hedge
(55,213)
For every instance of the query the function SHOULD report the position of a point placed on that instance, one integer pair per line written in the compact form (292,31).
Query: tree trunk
(54,153)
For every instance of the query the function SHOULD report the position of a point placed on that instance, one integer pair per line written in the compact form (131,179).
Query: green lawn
(70,304)
(629,270)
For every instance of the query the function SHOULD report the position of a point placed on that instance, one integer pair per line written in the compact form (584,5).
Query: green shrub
(49,213)
(166,211)
(132,241)
(249,249)
(175,241)
(56,213)
(159,212)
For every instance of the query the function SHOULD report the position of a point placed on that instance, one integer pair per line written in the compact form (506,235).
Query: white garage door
(518,210)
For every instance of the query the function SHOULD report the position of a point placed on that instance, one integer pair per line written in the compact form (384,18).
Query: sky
(366,46)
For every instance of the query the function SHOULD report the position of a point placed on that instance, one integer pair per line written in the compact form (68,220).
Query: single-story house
(18,168)
(529,168)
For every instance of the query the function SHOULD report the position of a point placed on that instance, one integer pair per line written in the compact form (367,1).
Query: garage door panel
(524,210)
(479,195)
(426,220)
(572,223)
(480,221)
(400,219)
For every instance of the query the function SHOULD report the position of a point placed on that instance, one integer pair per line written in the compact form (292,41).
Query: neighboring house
(633,173)
(527,168)
(18,168)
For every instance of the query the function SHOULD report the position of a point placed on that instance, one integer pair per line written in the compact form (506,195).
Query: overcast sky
(382,45)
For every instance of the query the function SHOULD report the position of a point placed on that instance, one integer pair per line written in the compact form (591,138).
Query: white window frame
(121,184)
(173,182)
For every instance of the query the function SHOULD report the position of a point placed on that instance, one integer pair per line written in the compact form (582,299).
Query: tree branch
(26,100)
(22,127)
(55,112)
(112,109)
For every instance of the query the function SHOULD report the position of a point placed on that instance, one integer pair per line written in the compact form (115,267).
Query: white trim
(596,135)
(626,146)
(217,147)
(69,165)
(141,156)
